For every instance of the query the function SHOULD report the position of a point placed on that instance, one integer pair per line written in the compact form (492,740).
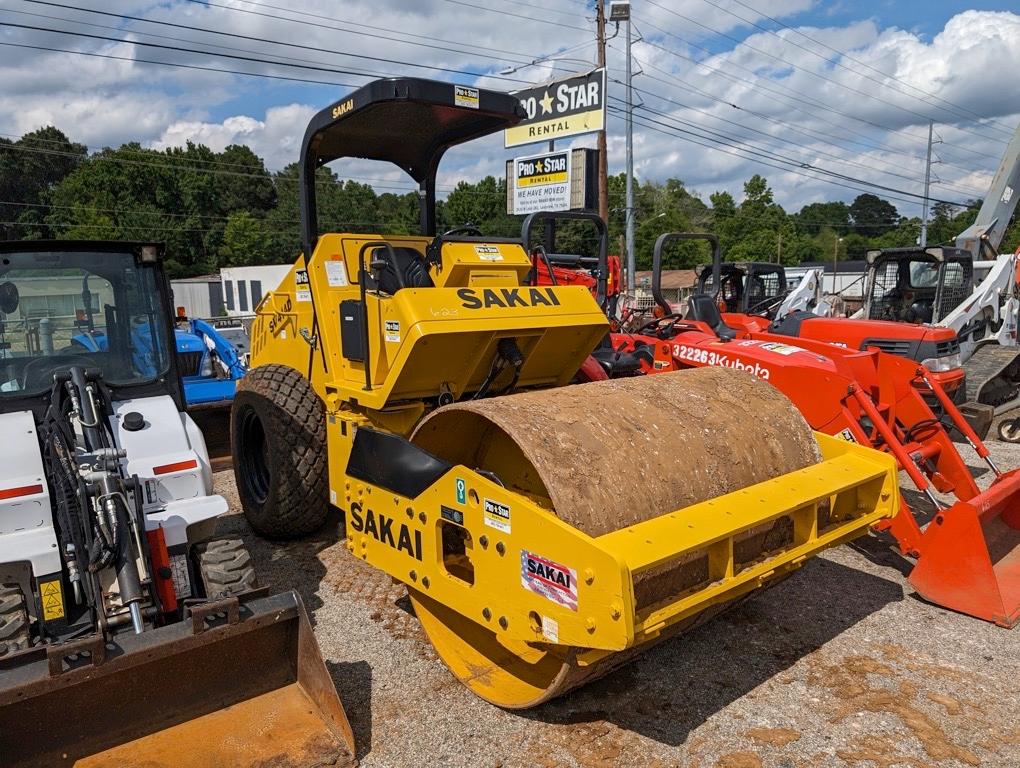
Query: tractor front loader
(416,383)
(967,557)
(130,634)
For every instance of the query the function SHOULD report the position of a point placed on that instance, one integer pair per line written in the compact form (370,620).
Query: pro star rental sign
(560,109)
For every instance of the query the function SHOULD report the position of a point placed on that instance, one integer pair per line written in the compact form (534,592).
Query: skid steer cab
(416,383)
(126,624)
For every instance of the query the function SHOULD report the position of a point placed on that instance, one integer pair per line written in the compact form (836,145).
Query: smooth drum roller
(604,456)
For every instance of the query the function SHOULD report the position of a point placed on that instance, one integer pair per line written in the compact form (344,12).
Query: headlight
(206,369)
(943,364)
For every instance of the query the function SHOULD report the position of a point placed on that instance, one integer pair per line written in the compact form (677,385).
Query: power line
(779,139)
(211,4)
(516,15)
(779,91)
(207,30)
(773,160)
(837,83)
(842,54)
(177,64)
(312,67)
(869,144)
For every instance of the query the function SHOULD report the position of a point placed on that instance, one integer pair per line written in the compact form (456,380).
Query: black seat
(406,269)
(702,307)
(616,364)
(790,324)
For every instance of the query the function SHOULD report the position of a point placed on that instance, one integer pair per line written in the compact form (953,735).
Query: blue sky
(861,115)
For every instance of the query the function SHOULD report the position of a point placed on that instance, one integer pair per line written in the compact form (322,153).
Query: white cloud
(783,107)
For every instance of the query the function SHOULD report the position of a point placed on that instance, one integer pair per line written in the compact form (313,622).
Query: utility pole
(927,186)
(603,154)
(629,216)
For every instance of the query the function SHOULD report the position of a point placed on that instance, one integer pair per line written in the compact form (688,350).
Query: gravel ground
(840,665)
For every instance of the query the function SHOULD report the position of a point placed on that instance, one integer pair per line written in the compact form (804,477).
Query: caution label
(52,600)
(549,579)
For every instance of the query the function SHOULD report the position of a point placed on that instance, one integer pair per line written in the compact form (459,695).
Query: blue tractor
(211,359)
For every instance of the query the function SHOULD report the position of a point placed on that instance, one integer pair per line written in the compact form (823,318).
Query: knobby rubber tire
(278,439)
(14,627)
(225,567)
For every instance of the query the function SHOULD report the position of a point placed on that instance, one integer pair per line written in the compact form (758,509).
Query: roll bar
(666,239)
(590,216)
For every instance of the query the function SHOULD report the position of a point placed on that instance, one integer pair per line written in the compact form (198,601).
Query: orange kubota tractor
(967,556)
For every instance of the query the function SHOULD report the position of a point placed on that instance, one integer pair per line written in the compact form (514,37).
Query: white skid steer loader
(129,633)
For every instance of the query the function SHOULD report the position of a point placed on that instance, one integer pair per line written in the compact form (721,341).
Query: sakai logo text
(507,297)
(380,527)
(343,108)
(548,572)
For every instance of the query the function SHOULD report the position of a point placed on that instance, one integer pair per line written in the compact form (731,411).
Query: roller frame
(858,482)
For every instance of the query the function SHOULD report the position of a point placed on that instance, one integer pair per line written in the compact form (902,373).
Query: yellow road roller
(546,533)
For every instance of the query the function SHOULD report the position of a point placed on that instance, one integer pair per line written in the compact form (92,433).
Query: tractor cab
(751,288)
(917,285)
(102,306)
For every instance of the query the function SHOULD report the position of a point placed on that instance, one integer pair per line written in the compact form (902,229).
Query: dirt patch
(848,681)
(878,752)
(739,760)
(775,737)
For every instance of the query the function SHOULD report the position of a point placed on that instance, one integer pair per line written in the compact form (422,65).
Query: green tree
(246,241)
(29,170)
(872,215)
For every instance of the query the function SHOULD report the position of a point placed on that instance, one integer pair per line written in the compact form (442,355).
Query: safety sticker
(336,274)
(393,330)
(847,435)
(302,290)
(488,253)
(332,496)
(465,97)
(550,629)
(461,491)
(496,515)
(52,600)
(781,349)
(181,577)
(549,579)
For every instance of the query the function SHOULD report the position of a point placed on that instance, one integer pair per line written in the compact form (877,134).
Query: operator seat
(703,308)
(405,269)
(790,325)
(618,364)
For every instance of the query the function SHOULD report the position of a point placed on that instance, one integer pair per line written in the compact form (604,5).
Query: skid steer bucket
(238,682)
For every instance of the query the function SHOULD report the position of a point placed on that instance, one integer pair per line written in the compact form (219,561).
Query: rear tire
(1009,430)
(14,628)
(225,568)
(278,438)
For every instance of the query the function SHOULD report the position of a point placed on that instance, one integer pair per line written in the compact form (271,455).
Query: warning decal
(549,579)
(52,600)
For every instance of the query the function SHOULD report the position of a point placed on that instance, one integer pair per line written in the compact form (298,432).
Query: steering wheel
(52,365)
(434,250)
(467,229)
(656,323)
